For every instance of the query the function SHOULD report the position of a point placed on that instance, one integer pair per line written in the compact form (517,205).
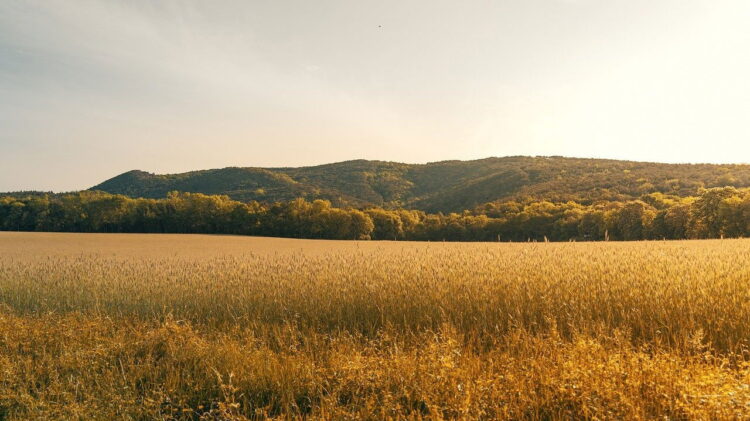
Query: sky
(93,88)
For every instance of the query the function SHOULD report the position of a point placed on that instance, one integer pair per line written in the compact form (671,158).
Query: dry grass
(191,327)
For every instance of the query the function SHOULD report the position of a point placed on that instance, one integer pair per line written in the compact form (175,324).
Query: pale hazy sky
(93,88)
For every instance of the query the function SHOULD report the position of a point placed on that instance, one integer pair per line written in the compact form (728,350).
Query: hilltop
(447,186)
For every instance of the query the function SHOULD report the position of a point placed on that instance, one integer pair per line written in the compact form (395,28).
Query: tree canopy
(448,186)
(713,213)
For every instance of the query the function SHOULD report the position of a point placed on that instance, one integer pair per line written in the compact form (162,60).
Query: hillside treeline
(714,213)
(447,186)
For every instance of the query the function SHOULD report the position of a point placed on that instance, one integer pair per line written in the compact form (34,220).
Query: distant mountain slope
(441,186)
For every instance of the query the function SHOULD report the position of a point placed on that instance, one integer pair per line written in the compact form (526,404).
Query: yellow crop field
(189,327)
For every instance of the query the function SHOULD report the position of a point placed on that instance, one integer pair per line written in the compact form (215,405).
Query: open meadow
(188,327)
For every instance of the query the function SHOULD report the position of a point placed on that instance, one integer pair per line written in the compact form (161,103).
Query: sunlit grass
(495,331)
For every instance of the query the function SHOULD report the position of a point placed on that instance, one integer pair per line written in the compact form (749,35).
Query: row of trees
(717,212)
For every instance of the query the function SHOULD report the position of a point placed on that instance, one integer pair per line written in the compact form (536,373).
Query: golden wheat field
(187,327)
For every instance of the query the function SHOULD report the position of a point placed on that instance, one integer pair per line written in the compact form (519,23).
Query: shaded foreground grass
(493,331)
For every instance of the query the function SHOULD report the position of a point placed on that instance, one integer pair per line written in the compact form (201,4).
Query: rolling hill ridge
(446,186)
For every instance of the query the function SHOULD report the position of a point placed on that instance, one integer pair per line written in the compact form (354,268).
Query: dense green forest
(505,199)
(712,213)
(448,186)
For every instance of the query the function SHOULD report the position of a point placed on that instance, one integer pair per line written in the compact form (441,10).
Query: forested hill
(447,186)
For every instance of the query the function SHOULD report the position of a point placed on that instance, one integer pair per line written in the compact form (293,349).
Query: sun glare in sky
(92,88)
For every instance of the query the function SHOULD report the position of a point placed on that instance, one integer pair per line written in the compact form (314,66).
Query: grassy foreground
(227,328)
